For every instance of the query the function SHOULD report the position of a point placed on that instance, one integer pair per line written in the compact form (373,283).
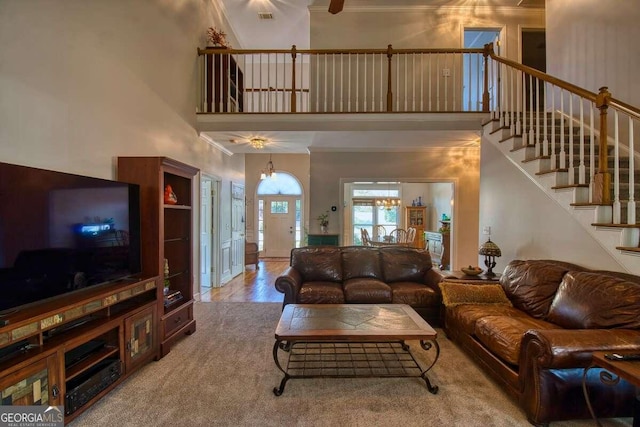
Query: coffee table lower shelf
(342,359)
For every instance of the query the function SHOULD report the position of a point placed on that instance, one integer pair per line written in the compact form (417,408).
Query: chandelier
(257,143)
(269,171)
(388,203)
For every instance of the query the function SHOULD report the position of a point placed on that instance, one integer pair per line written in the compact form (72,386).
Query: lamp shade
(489,248)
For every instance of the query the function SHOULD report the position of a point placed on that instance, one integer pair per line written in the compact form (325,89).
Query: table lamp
(490,251)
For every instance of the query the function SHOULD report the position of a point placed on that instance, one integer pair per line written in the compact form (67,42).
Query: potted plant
(323,220)
(217,37)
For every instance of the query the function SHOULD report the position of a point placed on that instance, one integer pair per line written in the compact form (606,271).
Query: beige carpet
(224,374)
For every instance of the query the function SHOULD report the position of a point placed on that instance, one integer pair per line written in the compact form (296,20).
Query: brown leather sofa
(537,348)
(363,275)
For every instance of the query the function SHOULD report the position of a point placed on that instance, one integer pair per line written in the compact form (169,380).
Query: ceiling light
(388,204)
(257,143)
(269,171)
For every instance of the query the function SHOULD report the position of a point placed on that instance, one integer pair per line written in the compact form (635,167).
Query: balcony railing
(560,121)
(343,81)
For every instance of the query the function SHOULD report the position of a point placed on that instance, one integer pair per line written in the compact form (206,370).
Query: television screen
(61,232)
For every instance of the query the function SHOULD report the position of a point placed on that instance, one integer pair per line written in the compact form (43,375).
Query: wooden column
(602,179)
(488,49)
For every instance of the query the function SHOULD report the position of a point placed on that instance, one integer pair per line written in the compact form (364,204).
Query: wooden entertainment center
(74,349)
(45,343)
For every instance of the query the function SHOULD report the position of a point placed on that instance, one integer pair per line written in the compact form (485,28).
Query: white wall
(83,82)
(526,223)
(594,43)
(374,27)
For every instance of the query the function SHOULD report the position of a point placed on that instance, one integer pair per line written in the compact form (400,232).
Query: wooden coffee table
(351,340)
(615,370)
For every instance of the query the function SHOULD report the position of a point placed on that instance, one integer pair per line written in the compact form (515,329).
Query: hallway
(253,285)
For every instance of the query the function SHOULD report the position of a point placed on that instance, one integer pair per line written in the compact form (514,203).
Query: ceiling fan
(336,6)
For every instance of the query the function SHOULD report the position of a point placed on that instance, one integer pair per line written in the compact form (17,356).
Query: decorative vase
(323,228)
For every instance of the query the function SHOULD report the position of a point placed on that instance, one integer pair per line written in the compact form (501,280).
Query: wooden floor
(254,285)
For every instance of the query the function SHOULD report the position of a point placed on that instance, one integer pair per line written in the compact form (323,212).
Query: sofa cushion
(589,300)
(315,264)
(531,285)
(321,293)
(361,262)
(401,264)
(413,294)
(502,335)
(465,316)
(462,293)
(366,291)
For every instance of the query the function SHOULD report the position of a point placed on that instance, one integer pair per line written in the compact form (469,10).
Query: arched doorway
(279,213)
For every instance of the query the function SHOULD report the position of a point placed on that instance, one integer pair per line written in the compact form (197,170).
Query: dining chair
(399,235)
(411,234)
(379,232)
(366,240)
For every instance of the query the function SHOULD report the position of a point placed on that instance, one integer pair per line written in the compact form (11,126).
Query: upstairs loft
(337,90)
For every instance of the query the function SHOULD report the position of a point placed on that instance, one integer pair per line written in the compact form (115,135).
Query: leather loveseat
(363,275)
(538,340)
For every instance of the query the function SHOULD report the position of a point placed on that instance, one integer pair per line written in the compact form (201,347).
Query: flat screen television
(62,233)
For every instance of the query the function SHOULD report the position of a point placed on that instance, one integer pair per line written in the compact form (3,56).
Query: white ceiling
(289,26)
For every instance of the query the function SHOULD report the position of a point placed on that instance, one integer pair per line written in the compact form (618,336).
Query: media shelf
(70,340)
(167,231)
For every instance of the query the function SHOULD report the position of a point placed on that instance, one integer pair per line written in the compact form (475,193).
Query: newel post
(293,79)
(389,93)
(602,180)
(488,49)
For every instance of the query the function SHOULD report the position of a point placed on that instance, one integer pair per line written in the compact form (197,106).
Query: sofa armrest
(289,283)
(572,348)
(432,278)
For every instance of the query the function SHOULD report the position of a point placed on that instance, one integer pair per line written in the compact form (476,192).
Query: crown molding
(206,138)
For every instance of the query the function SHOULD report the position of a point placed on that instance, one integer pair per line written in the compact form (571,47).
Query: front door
(279,226)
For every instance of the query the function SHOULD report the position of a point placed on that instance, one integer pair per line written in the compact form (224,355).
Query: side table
(617,369)
(460,277)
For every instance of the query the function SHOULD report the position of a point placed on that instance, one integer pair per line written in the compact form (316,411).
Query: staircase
(619,238)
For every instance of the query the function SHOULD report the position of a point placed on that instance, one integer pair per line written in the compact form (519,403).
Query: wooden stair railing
(533,125)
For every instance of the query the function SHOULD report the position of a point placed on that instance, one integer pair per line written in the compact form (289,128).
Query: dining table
(386,241)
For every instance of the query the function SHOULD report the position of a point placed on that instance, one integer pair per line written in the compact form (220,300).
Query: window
(367,214)
(279,207)
(260,225)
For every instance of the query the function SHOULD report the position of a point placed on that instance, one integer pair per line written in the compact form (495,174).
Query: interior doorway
(533,50)
(361,210)
(473,69)
(209,239)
